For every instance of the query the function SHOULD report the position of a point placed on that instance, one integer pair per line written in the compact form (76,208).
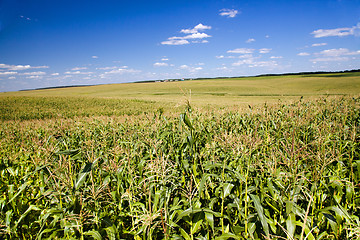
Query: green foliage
(290,171)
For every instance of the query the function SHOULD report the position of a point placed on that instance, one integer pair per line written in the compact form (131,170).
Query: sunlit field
(249,158)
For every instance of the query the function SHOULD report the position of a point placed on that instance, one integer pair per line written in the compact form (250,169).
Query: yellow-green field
(223,92)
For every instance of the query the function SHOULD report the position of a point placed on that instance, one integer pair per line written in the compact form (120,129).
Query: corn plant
(290,171)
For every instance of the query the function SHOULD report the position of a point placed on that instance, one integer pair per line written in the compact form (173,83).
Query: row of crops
(286,172)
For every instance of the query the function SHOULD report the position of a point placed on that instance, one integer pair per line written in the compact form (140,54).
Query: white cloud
(20,67)
(107,68)
(35,77)
(252,62)
(224,68)
(191,36)
(164,59)
(230,13)
(193,33)
(265,50)
(160,64)
(190,69)
(319,44)
(220,57)
(245,61)
(175,42)
(241,50)
(250,40)
(303,54)
(276,57)
(331,55)
(184,66)
(12,77)
(337,32)
(330,59)
(79,68)
(338,52)
(78,73)
(55,74)
(34,73)
(119,71)
(94,57)
(245,56)
(270,64)
(196,29)
(8,73)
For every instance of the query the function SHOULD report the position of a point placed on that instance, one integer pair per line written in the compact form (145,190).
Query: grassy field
(152,161)
(220,92)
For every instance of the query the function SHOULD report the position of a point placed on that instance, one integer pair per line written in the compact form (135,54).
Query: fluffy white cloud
(319,44)
(164,59)
(276,57)
(337,32)
(197,35)
(196,29)
(20,67)
(191,36)
(175,42)
(228,12)
(303,54)
(250,40)
(184,66)
(264,50)
(94,57)
(331,55)
(241,50)
(160,64)
(55,74)
(193,33)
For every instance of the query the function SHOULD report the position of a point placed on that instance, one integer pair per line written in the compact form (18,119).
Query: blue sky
(65,42)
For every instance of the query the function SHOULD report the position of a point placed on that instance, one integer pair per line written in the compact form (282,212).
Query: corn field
(290,171)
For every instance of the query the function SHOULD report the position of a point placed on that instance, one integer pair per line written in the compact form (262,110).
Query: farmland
(250,158)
